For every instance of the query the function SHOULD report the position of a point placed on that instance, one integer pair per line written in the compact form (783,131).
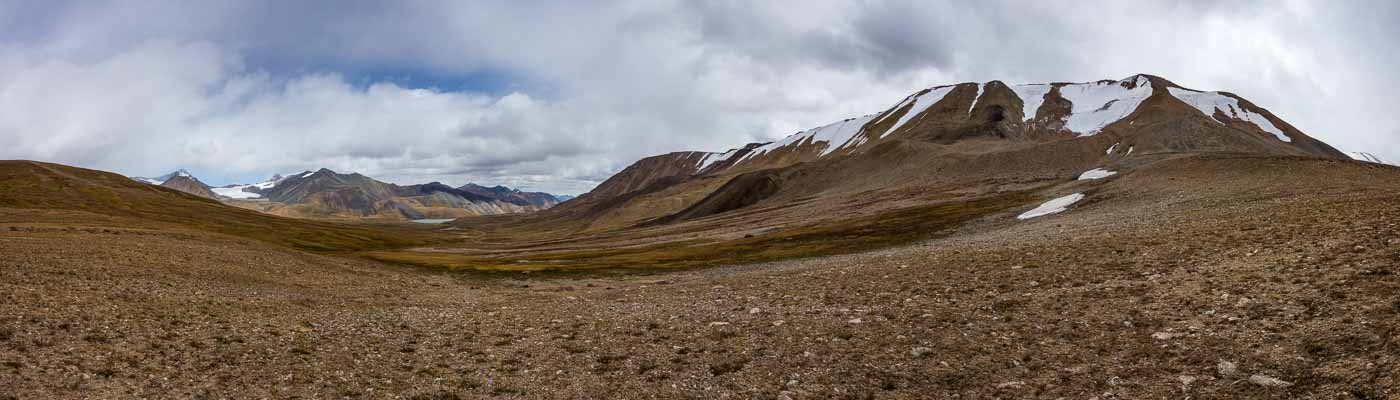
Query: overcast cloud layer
(556,96)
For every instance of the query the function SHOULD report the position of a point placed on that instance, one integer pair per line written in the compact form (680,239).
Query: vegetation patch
(891,228)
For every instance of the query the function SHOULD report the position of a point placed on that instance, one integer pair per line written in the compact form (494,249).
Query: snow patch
(975,98)
(235,192)
(1130,151)
(1032,97)
(711,158)
(1209,102)
(1052,207)
(835,136)
(1096,173)
(1367,157)
(1110,148)
(920,104)
(1098,104)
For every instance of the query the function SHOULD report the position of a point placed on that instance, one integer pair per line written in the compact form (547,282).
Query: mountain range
(327,194)
(968,137)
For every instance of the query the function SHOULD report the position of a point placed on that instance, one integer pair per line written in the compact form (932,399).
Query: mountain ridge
(968,132)
(325,193)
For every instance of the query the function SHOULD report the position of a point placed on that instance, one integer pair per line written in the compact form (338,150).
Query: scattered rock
(1163,336)
(920,352)
(1186,380)
(1268,381)
(1012,384)
(719,323)
(855,321)
(1226,368)
(755,310)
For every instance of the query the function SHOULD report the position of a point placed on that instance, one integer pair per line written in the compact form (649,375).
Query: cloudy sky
(556,96)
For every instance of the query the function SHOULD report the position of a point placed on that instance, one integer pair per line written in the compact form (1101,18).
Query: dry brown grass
(826,238)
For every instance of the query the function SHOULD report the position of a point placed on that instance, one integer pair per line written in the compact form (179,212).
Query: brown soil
(1197,277)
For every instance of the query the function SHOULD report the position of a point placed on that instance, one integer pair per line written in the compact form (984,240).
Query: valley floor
(1220,291)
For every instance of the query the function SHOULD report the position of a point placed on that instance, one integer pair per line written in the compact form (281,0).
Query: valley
(1122,238)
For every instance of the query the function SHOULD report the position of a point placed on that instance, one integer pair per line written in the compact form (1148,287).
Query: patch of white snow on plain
(235,192)
(1032,97)
(1209,102)
(1052,207)
(1098,104)
(1096,173)
(1110,148)
(148,181)
(920,104)
(1130,151)
(268,184)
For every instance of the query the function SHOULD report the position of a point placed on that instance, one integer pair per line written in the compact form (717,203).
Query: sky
(558,95)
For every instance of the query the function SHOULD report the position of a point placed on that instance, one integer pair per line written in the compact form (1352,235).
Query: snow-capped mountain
(180,180)
(251,191)
(967,132)
(326,193)
(161,179)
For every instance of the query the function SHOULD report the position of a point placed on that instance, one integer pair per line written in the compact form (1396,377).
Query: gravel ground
(1233,288)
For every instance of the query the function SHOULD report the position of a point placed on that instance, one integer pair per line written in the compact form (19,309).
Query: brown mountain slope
(189,184)
(972,136)
(44,192)
(514,196)
(326,194)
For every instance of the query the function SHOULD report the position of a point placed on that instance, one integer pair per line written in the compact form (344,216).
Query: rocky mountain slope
(514,196)
(189,184)
(328,194)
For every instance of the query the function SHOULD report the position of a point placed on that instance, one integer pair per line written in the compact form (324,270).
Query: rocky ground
(1231,289)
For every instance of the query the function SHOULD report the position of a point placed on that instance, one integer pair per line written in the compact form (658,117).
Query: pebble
(1012,384)
(920,352)
(1226,368)
(1186,380)
(1163,336)
(855,321)
(755,310)
(1268,381)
